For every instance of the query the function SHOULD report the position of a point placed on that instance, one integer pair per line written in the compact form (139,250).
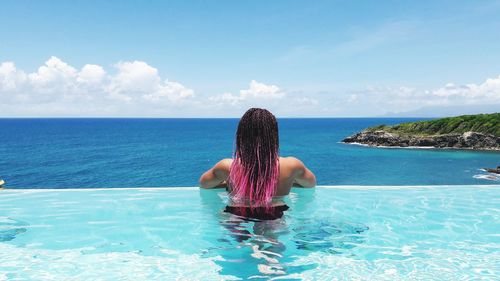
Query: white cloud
(257,91)
(138,80)
(489,91)
(353,98)
(54,71)
(374,101)
(135,78)
(135,88)
(268,96)
(262,91)
(303,101)
(91,74)
(172,91)
(226,98)
(57,87)
(10,78)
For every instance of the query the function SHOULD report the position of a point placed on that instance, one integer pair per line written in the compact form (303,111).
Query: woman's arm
(303,176)
(217,175)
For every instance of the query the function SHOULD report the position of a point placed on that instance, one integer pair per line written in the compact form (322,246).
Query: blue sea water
(77,153)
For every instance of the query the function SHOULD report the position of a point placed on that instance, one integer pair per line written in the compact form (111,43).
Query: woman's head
(255,169)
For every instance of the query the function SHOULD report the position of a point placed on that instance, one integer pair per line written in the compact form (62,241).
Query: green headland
(476,132)
(480,123)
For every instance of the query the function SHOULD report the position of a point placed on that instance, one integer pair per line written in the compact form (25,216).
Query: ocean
(91,153)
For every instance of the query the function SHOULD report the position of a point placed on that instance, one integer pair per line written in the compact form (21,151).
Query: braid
(255,169)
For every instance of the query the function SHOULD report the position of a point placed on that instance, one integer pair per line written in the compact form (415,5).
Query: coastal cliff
(476,132)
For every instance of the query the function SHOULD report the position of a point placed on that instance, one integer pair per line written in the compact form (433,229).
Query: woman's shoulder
(226,161)
(292,164)
(292,161)
(224,164)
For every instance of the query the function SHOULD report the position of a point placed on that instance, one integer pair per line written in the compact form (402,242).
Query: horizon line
(284,117)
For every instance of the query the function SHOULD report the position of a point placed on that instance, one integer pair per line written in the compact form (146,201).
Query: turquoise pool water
(344,233)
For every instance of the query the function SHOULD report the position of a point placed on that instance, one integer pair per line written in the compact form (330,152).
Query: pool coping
(186,188)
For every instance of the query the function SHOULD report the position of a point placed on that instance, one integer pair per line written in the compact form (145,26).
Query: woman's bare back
(292,173)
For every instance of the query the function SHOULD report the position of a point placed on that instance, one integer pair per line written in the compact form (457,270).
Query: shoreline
(421,147)
(471,141)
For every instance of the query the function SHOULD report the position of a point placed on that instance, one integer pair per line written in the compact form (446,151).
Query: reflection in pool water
(328,236)
(266,248)
(10,228)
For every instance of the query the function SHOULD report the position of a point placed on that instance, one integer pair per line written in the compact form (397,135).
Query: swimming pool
(345,233)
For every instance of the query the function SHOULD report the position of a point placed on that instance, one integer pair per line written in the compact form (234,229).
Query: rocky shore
(467,140)
(493,170)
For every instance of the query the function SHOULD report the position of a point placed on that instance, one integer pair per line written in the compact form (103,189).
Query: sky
(218,58)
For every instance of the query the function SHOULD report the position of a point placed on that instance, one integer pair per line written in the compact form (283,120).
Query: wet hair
(254,172)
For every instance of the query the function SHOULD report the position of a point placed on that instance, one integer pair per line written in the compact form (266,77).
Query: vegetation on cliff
(480,123)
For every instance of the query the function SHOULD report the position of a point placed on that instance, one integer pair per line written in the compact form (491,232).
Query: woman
(256,178)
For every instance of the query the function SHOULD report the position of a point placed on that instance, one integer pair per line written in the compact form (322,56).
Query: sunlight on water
(377,233)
